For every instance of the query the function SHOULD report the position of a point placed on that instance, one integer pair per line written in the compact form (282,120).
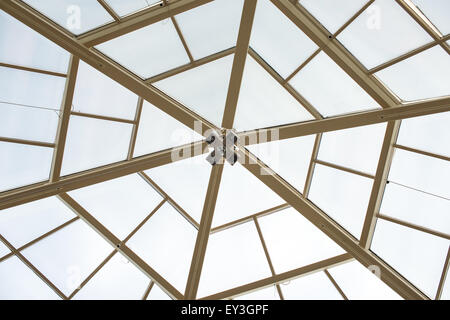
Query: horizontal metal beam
(138,20)
(90,177)
(23,68)
(406,110)
(28,142)
(332,229)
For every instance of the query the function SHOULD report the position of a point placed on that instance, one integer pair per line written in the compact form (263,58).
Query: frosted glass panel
(316,286)
(278,40)
(343,196)
(322,83)
(148,51)
(234,257)
(33,50)
(212,27)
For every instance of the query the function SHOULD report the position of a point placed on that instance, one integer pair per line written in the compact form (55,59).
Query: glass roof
(87,152)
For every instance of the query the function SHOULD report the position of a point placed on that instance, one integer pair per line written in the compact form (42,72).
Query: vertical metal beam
(335,284)
(240,56)
(110,10)
(379,184)
(64,117)
(312,165)
(443,276)
(203,232)
(134,133)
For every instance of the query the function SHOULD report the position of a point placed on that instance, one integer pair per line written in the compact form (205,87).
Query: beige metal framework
(393,112)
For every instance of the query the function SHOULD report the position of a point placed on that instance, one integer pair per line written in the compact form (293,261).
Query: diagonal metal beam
(379,184)
(138,20)
(50,30)
(84,179)
(403,111)
(332,229)
(203,233)
(336,51)
(64,117)
(120,246)
(240,56)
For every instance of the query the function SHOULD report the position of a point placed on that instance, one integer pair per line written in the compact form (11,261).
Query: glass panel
(119,204)
(312,287)
(22,164)
(234,257)
(157,294)
(177,177)
(29,88)
(148,51)
(202,89)
(430,133)
(159,131)
(278,40)
(360,283)
(425,75)
(3,250)
(119,279)
(416,207)
(263,102)
(357,148)
(77,16)
(33,50)
(24,223)
(93,143)
(95,93)
(20,283)
(333,14)
(437,11)
(294,242)
(322,83)
(378,34)
(67,257)
(124,8)
(241,194)
(289,158)
(28,123)
(166,242)
(269,293)
(421,172)
(416,255)
(343,196)
(202,25)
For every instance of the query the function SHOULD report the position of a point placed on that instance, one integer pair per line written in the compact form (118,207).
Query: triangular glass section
(263,102)
(202,89)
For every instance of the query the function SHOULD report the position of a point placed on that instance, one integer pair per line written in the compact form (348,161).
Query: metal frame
(394,110)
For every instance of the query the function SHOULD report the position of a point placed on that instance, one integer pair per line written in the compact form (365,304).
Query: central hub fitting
(224,147)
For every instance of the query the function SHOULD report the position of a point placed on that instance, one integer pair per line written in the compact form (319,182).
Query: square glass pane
(212,27)
(425,75)
(33,50)
(382,32)
(96,93)
(430,133)
(92,143)
(278,40)
(333,14)
(123,8)
(416,207)
(437,12)
(234,257)
(148,51)
(24,223)
(166,242)
(322,83)
(77,16)
(357,148)
(27,123)
(343,196)
(360,283)
(21,165)
(263,102)
(119,204)
(421,172)
(416,255)
(293,242)
(316,286)
(29,88)
(20,283)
